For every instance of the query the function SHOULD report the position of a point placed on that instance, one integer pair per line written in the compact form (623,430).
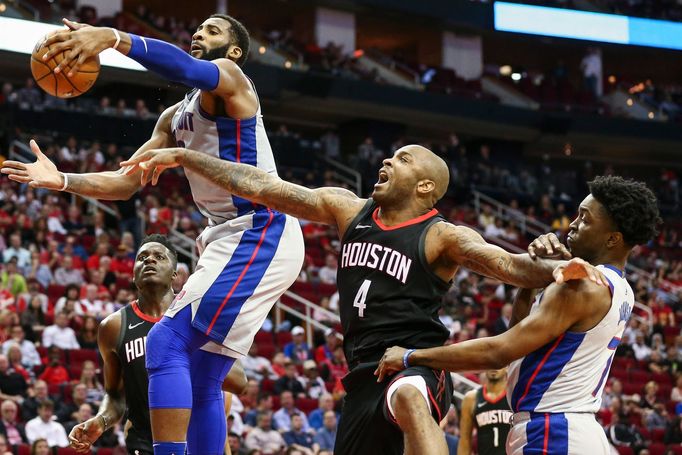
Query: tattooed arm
(336,206)
(461,246)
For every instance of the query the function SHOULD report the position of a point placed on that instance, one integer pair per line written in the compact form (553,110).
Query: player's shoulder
(230,67)
(110,327)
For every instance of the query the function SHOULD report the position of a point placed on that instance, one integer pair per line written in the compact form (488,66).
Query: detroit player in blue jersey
(561,347)
(249,254)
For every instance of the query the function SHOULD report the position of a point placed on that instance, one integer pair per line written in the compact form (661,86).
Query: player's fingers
(68,61)
(72,24)
(546,245)
(57,38)
(35,149)
(155,175)
(19,178)
(558,275)
(531,251)
(13,165)
(555,242)
(56,49)
(74,69)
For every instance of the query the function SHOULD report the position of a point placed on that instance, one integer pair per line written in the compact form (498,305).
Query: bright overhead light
(261,50)
(651,115)
(505,70)
(629,102)
(516,76)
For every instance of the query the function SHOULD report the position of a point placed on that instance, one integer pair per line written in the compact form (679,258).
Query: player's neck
(616,260)
(494,389)
(154,301)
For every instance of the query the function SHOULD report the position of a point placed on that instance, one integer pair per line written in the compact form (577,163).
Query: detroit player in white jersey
(561,348)
(249,254)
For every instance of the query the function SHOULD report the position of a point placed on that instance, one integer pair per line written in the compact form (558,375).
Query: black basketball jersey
(388,294)
(493,421)
(131,349)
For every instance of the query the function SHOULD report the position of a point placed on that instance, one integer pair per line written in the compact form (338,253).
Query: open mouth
(195,47)
(383,177)
(148,269)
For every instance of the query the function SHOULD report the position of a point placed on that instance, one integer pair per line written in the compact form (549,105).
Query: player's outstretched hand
(40,174)
(577,269)
(81,41)
(85,434)
(548,246)
(391,362)
(153,163)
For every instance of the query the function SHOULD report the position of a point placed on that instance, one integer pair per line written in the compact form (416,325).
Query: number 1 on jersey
(360,297)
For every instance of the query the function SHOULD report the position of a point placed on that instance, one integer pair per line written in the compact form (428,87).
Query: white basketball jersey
(568,374)
(239,141)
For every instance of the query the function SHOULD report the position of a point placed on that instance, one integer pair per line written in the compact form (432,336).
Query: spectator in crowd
(263,437)
(264,406)
(326,350)
(66,274)
(69,410)
(234,441)
(591,67)
(502,323)
(657,418)
(33,319)
(495,230)
(326,437)
(297,438)
(641,349)
(40,447)
(55,373)
(297,350)
(650,398)
(282,418)
(314,384)
(336,367)
(257,367)
(12,279)
(676,392)
(33,292)
(12,384)
(316,417)
(612,392)
(673,433)
(289,382)
(14,358)
(327,273)
(44,427)
(60,334)
(18,251)
(36,395)
(620,434)
(95,389)
(10,428)
(87,337)
(29,354)
(40,273)
(486,217)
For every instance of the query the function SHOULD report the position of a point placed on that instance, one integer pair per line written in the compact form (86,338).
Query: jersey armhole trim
(363,212)
(121,331)
(422,254)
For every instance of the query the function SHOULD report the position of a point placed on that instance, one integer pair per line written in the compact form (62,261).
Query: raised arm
(578,306)
(460,245)
(222,76)
(335,206)
(113,406)
(107,185)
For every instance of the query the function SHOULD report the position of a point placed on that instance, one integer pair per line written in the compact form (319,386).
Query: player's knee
(406,400)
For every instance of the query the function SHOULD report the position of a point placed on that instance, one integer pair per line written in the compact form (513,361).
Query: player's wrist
(406,358)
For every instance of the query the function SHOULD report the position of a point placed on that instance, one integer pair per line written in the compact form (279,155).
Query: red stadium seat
(267,385)
(307,405)
(267,350)
(640,376)
(657,448)
(657,435)
(263,337)
(54,291)
(105,451)
(23,449)
(283,338)
(78,356)
(67,451)
(623,450)
(677,450)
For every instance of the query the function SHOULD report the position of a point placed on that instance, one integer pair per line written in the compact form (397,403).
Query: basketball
(61,85)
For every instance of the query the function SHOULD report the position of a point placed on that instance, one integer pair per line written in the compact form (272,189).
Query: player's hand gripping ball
(61,84)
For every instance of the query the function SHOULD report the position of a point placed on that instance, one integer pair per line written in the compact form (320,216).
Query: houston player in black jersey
(487,410)
(398,257)
(122,338)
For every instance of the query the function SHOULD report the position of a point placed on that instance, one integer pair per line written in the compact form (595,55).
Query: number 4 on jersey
(360,297)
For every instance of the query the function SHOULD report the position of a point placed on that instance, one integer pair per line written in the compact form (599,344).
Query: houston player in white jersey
(561,347)
(249,254)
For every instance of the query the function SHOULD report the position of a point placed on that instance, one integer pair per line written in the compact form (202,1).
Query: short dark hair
(630,204)
(240,36)
(46,404)
(163,240)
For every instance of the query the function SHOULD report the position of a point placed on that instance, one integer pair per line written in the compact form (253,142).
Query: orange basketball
(61,85)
